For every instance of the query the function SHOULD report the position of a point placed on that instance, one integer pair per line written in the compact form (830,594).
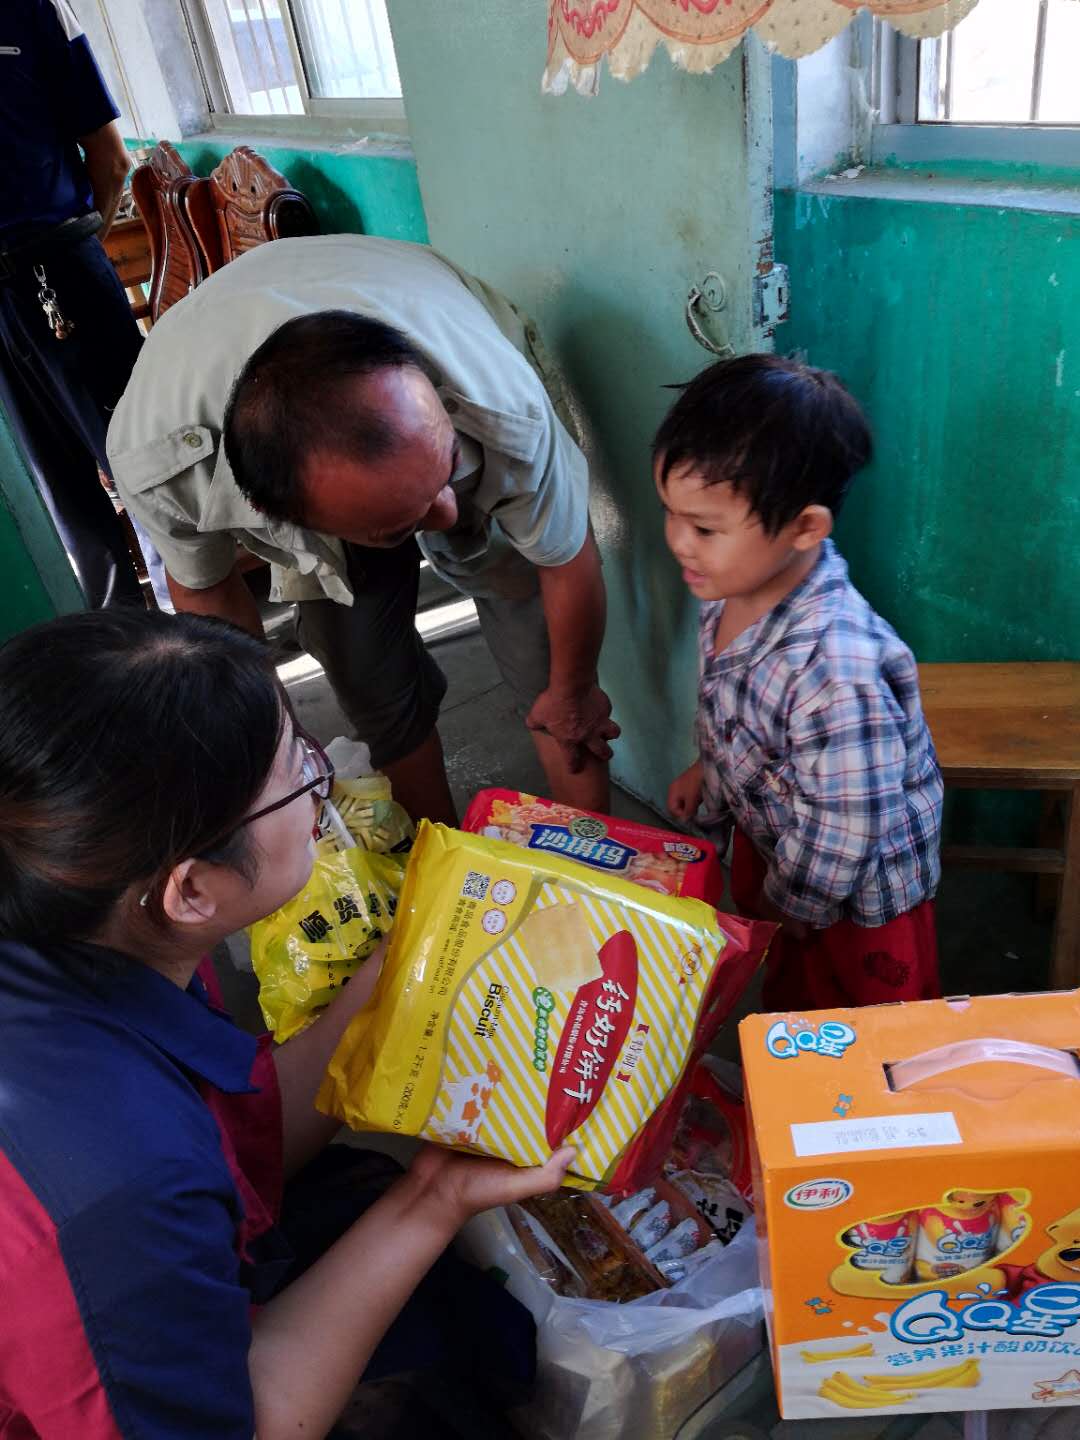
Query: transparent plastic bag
(634,1371)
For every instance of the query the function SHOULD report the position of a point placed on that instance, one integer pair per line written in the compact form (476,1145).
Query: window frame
(320,113)
(897,133)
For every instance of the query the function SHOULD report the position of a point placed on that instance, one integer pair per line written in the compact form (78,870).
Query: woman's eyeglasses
(318,776)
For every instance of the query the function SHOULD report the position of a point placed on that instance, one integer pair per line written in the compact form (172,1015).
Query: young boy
(810,730)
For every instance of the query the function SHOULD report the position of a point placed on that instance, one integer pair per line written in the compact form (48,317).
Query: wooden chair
(162,188)
(128,247)
(249,203)
(1016,727)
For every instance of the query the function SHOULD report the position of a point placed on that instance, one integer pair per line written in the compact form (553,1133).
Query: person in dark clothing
(183,1251)
(68,340)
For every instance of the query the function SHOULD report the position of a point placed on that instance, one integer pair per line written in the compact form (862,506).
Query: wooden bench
(1016,727)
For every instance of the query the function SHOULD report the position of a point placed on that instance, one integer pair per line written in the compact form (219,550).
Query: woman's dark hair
(294,396)
(129,741)
(783,434)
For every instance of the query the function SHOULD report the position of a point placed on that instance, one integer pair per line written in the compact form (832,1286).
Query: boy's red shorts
(847,964)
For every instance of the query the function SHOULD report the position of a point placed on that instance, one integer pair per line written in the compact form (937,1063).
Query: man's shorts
(385,678)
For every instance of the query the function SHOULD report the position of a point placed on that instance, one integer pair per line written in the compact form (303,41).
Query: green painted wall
(350,188)
(958,328)
(596,216)
(25,600)
(38,581)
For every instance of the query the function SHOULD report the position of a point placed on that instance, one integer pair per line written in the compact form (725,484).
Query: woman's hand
(685,792)
(461,1186)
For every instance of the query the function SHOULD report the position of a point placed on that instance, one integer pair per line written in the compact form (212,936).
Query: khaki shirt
(522,484)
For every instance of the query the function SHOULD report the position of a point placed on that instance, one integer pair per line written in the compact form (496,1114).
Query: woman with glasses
(165,1196)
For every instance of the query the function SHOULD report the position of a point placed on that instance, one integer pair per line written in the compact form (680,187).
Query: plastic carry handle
(905,1073)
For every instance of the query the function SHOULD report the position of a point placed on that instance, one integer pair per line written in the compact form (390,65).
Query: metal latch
(772,297)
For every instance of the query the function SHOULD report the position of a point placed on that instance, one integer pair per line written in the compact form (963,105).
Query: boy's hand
(684,796)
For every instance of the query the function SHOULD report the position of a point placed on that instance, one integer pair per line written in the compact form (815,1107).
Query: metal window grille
(1010,62)
(295,57)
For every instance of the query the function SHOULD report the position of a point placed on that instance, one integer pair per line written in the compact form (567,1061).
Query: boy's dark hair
(129,740)
(290,400)
(783,434)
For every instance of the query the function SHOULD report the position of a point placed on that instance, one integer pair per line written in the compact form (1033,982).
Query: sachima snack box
(918,1202)
(661,860)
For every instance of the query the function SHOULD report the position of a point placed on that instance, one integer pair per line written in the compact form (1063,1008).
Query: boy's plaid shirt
(813,741)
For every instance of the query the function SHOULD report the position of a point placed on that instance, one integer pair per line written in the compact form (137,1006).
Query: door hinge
(772,296)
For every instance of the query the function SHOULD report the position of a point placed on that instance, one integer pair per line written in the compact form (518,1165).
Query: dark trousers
(462,1349)
(59,396)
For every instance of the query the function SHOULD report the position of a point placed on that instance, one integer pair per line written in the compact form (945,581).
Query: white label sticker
(875,1132)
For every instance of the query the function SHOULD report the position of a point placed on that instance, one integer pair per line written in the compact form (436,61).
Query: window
(297,57)
(1010,62)
(1000,86)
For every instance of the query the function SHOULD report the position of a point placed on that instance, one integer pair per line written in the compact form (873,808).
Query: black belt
(29,248)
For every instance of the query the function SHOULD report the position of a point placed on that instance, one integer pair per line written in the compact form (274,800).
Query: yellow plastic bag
(304,952)
(372,818)
(526,1001)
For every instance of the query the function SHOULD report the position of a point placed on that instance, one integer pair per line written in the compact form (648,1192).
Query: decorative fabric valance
(699,34)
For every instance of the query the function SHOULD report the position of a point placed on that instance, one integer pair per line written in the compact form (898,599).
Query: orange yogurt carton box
(918,1204)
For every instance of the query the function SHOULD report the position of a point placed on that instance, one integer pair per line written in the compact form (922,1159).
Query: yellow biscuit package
(526,1002)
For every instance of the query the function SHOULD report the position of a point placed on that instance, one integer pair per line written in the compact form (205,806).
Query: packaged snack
(957,1115)
(662,860)
(675,1271)
(634,1206)
(526,1001)
(303,953)
(609,1266)
(677,1244)
(886,1245)
(363,812)
(712,1137)
(714,1198)
(545,1256)
(653,1225)
(959,1234)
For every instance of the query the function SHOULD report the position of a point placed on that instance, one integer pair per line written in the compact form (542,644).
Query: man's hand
(580,721)
(684,794)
